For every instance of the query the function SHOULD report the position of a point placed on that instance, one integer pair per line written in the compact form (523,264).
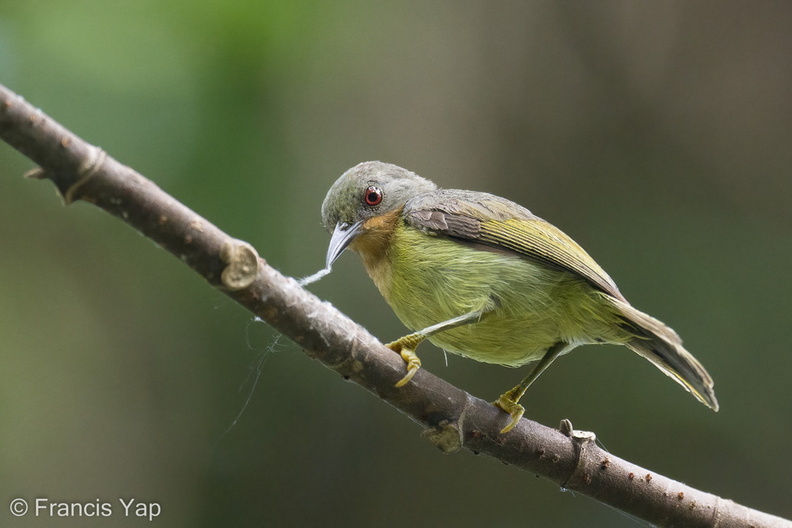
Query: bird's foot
(406,348)
(508,402)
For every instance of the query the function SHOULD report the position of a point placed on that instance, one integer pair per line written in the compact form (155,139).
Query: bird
(482,277)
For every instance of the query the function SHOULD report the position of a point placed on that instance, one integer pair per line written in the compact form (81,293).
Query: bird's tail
(663,347)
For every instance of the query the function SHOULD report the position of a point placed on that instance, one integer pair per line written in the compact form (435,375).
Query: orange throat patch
(372,243)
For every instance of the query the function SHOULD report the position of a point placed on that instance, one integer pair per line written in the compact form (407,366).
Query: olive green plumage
(526,307)
(515,286)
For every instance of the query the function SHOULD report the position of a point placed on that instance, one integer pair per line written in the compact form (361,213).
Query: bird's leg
(508,401)
(406,345)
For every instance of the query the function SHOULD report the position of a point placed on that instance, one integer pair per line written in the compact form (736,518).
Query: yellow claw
(413,364)
(508,402)
(406,348)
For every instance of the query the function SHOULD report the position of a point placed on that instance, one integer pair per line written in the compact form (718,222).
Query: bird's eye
(372,196)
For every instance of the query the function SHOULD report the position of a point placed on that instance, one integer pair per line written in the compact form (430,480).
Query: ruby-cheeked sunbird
(483,277)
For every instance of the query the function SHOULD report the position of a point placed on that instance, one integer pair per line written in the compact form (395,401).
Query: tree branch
(452,418)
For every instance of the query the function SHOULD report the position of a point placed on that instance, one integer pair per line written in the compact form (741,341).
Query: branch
(452,418)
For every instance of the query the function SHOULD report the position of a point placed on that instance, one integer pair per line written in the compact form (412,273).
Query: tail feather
(663,347)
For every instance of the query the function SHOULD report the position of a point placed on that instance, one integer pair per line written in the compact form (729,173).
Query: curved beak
(343,235)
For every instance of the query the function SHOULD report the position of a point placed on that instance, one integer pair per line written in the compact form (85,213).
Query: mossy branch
(452,418)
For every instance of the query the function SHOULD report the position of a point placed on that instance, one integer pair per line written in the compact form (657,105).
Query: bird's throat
(373,243)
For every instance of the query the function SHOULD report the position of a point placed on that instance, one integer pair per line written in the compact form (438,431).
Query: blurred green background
(657,134)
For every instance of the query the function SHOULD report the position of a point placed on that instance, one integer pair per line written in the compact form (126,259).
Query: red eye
(373,196)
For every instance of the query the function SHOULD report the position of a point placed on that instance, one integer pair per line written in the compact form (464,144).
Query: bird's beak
(343,235)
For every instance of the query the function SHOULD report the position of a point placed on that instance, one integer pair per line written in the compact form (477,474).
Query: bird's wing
(500,224)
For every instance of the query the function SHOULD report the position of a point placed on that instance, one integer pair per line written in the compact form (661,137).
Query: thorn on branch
(35,174)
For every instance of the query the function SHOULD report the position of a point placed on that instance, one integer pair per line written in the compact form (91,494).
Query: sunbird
(483,277)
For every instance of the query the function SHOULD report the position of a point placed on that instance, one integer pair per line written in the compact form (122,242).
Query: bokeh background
(657,134)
